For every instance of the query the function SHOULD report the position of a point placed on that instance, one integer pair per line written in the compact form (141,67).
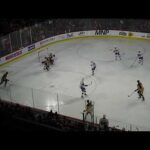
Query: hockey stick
(90,83)
(131,94)
(10,82)
(143,50)
(122,54)
(133,62)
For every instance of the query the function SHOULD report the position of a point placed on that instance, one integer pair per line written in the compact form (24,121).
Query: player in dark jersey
(4,79)
(51,58)
(46,64)
(140,90)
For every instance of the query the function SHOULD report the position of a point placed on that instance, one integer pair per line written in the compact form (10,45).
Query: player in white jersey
(83,89)
(117,53)
(93,67)
(140,57)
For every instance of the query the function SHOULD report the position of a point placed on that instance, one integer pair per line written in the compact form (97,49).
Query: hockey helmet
(88,101)
(104,116)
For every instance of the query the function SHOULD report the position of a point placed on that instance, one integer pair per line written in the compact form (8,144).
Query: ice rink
(58,89)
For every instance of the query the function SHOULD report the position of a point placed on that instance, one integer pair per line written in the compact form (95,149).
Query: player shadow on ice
(134,103)
(135,66)
(3,88)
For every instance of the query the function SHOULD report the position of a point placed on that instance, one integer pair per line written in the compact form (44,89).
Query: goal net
(42,54)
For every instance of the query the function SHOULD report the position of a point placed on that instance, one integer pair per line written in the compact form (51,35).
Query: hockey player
(82,87)
(50,55)
(117,53)
(93,67)
(4,79)
(140,58)
(51,58)
(46,64)
(140,90)
(47,58)
(89,108)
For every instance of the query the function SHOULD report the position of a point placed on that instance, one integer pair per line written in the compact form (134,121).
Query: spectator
(123,129)
(104,123)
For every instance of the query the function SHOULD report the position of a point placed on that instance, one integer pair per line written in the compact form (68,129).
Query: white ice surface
(111,85)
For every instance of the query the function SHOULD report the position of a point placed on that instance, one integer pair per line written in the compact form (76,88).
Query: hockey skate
(143,99)
(82,96)
(85,95)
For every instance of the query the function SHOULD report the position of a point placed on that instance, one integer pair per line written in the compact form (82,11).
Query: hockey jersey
(140,87)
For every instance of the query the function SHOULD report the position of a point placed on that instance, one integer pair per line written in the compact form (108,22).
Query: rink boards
(71,36)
